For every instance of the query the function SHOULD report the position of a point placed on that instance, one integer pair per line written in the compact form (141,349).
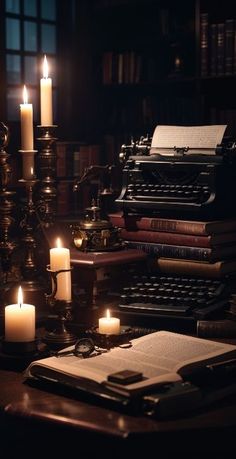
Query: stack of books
(195,248)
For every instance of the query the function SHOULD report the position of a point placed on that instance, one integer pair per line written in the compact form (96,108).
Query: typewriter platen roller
(200,180)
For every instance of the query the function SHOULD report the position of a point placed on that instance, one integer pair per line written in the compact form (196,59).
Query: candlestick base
(107,341)
(17,356)
(55,340)
(19,348)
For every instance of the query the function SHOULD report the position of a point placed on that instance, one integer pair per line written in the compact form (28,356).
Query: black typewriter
(185,181)
(184,300)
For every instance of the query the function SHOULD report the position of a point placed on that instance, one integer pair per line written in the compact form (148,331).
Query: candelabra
(47,175)
(60,336)
(6,206)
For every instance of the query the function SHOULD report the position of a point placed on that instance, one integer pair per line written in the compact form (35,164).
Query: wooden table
(53,421)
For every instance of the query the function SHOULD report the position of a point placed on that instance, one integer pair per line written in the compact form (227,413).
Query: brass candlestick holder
(33,283)
(60,336)
(47,160)
(7,245)
(28,224)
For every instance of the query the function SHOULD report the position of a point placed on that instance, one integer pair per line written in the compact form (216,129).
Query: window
(30,32)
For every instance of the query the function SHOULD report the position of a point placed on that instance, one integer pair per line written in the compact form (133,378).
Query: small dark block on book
(125,377)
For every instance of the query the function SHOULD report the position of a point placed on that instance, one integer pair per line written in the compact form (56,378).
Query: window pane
(14,99)
(52,73)
(13,6)
(30,36)
(33,99)
(13,69)
(13,33)
(48,38)
(30,67)
(48,9)
(30,8)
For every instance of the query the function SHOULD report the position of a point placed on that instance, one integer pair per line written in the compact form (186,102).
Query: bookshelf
(146,67)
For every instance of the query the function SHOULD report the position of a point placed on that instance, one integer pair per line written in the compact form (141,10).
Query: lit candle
(26,115)
(109,325)
(46,96)
(20,321)
(60,259)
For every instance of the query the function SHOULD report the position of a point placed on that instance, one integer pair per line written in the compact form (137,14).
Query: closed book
(189,253)
(220,49)
(204,44)
(213,49)
(216,270)
(177,238)
(134,222)
(216,328)
(229,45)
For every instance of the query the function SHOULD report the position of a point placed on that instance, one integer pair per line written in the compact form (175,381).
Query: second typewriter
(188,170)
(171,300)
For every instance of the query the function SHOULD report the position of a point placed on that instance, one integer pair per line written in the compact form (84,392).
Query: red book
(177,238)
(135,222)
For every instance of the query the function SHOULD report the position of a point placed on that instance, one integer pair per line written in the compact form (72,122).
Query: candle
(26,115)
(46,96)
(109,325)
(60,259)
(20,321)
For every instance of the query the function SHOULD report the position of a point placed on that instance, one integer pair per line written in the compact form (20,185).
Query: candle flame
(45,67)
(25,95)
(108,314)
(20,297)
(58,243)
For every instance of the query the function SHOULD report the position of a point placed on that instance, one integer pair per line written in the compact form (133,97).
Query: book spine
(216,328)
(172,251)
(158,224)
(166,238)
(213,49)
(204,43)
(220,49)
(64,197)
(229,46)
(187,267)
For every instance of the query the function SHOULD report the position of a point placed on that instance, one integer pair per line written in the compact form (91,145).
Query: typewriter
(176,300)
(180,170)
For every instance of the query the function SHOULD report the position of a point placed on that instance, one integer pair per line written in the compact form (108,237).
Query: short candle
(60,259)
(20,321)
(109,325)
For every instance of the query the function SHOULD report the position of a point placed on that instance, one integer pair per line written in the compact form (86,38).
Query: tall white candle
(46,96)
(60,259)
(109,325)
(20,321)
(26,115)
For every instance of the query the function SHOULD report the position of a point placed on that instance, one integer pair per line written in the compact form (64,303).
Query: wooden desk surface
(24,409)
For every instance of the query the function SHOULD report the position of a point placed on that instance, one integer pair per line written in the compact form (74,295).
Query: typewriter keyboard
(177,296)
(192,193)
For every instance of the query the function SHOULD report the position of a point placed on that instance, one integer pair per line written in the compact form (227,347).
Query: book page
(159,356)
(201,139)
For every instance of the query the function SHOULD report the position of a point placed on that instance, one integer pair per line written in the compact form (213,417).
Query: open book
(161,357)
